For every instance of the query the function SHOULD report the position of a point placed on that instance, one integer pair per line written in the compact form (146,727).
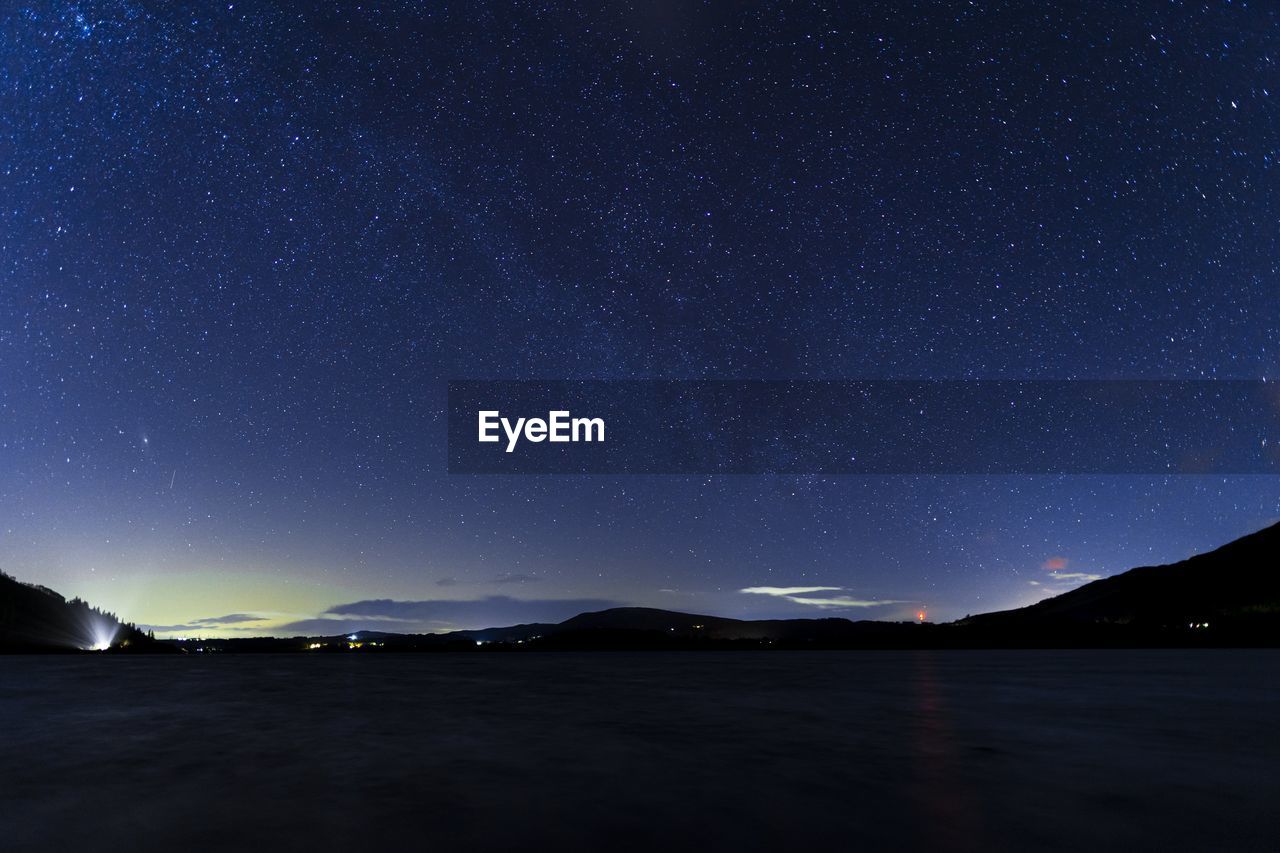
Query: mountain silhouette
(614,628)
(692,625)
(1234,586)
(35,618)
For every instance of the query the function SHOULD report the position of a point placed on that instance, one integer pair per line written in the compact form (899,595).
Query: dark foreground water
(1035,750)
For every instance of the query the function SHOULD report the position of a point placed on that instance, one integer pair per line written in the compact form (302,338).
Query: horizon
(325,626)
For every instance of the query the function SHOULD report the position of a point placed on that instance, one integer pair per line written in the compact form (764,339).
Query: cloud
(1076,576)
(328,627)
(789,590)
(230,619)
(508,577)
(804,595)
(447,582)
(1060,581)
(210,622)
(1059,577)
(441,615)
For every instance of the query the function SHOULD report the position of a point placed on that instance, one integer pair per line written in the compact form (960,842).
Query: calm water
(983,751)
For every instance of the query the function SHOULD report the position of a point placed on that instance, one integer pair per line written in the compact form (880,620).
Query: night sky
(243,249)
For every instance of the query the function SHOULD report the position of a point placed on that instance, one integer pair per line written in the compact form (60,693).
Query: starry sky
(244,247)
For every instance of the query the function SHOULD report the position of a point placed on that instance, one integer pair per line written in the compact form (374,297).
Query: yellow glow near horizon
(185,597)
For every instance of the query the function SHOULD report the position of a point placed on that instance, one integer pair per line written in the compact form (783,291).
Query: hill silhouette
(34,618)
(1233,590)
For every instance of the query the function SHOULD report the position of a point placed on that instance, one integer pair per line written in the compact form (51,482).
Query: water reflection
(952,815)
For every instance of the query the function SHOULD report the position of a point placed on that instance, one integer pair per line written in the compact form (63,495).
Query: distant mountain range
(1229,596)
(673,624)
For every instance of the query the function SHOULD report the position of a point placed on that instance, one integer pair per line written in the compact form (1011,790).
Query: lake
(950,750)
